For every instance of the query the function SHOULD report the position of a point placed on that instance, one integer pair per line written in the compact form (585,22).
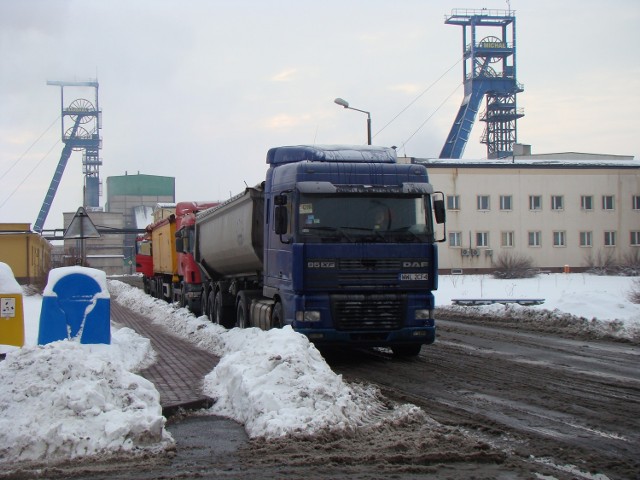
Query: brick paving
(180,368)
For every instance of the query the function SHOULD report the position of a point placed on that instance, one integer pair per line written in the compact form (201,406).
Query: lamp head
(341,102)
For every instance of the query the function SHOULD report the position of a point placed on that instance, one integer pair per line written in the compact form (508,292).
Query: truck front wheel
(277,316)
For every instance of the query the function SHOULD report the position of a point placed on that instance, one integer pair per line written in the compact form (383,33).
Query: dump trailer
(338,242)
(165,257)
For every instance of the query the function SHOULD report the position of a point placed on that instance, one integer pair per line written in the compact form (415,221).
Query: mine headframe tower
(489,72)
(81,121)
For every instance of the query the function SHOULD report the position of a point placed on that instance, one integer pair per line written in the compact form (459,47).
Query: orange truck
(165,257)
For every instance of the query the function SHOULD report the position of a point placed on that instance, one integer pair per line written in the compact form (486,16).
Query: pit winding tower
(81,123)
(489,71)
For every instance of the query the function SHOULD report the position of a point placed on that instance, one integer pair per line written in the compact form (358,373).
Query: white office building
(562,211)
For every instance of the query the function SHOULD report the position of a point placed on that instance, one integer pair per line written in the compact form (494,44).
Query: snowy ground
(577,303)
(67,400)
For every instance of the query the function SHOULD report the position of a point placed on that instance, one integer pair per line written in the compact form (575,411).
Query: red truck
(164,256)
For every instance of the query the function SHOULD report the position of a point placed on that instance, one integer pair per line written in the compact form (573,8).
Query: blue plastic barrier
(76,307)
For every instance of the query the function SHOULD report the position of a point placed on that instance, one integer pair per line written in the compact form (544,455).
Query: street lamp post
(345,104)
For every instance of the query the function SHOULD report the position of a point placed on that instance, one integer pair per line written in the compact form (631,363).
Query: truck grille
(369,264)
(368,312)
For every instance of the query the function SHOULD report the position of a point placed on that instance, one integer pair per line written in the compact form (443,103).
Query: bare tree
(634,294)
(514,265)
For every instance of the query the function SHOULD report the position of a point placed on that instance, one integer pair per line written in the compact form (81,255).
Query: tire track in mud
(526,394)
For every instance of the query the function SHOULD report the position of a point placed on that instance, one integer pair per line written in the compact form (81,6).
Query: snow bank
(8,283)
(276,383)
(573,302)
(66,400)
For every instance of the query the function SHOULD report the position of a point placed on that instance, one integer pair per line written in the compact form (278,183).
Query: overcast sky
(200,90)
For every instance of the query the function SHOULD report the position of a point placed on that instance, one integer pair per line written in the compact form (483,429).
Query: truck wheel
(277,316)
(411,350)
(242,317)
(210,311)
(223,312)
(183,297)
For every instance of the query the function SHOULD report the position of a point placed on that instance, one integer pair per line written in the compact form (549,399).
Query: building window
(559,239)
(609,239)
(535,239)
(506,202)
(608,202)
(557,202)
(635,239)
(482,239)
(586,239)
(635,202)
(586,202)
(507,239)
(483,202)
(535,202)
(453,202)
(455,239)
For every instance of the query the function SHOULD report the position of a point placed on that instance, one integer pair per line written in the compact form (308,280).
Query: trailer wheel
(183,298)
(277,316)
(242,316)
(210,311)
(223,311)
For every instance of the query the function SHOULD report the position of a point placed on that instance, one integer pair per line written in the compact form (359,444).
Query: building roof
(530,162)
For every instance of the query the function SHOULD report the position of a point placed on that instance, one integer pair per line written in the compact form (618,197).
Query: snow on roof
(527,162)
(143,216)
(57,273)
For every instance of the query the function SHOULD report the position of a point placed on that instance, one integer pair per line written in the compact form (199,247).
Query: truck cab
(350,253)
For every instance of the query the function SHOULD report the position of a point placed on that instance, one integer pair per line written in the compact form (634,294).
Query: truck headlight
(308,316)
(424,314)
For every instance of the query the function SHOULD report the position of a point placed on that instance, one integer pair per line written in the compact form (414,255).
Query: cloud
(285,75)
(283,120)
(408,88)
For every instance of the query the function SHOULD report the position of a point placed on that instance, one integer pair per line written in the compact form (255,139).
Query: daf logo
(415,264)
(321,264)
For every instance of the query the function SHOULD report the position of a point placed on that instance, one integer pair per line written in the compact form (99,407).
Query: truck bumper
(406,336)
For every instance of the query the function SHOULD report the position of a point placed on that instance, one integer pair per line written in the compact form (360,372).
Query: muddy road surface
(498,403)
(572,405)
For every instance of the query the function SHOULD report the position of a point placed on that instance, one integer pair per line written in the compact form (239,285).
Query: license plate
(419,277)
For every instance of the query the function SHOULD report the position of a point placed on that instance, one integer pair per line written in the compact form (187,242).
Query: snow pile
(8,283)
(276,383)
(598,306)
(180,321)
(66,400)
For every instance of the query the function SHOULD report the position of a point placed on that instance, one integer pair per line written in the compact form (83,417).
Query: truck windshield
(358,218)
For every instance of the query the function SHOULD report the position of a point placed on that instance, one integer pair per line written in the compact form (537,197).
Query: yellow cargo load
(163,237)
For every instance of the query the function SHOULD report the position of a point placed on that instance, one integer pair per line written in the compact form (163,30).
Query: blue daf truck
(338,242)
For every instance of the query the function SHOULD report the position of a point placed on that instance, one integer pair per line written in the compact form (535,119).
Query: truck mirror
(282,219)
(439,210)
(280,199)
